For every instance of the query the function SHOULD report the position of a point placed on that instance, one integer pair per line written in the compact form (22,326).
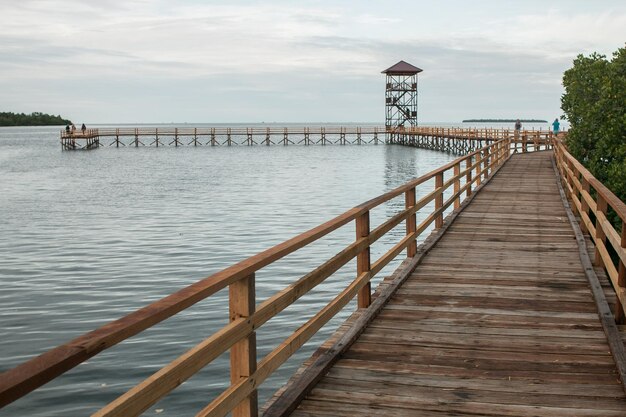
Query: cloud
(260,38)
(317,51)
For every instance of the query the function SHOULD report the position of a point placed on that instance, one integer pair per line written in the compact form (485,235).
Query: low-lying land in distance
(33,119)
(504,121)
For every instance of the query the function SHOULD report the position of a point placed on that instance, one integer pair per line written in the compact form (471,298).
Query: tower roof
(402,68)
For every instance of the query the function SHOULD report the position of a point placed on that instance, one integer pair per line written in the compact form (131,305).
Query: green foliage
(33,119)
(595,105)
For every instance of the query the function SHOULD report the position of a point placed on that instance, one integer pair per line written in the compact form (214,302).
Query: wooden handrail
(239,334)
(578,183)
(494,134)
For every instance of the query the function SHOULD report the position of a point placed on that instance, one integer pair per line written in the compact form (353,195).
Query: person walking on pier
(556,126)
(67,129)
(83,128)
(73,128)
(518,125)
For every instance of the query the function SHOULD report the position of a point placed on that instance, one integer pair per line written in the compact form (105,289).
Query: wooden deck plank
(452,366)
(497,320)
(470,357)
(458,401)
(476,390)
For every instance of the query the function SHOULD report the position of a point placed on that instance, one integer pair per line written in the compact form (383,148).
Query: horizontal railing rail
(78,134)
(592,201)
(458,178)
(477,133)
(526,141)
(473,133)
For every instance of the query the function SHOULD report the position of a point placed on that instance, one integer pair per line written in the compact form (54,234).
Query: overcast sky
(113,61)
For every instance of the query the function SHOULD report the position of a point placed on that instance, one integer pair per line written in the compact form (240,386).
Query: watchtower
(400,100)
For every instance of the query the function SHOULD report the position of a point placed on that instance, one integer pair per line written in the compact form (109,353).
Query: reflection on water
(400,164)
(87,237)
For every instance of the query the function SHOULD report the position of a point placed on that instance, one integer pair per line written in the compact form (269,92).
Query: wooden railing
(235,131)
(458,178)
(527,141)
(78,134)
(523,141)
(473,133)
(592,201)
(477,133)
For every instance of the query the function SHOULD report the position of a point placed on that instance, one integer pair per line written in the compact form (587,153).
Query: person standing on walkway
(518,125)
(83,128)
(556,126)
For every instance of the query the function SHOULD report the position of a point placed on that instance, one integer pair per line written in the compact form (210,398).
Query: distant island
(504,121)
(33,119)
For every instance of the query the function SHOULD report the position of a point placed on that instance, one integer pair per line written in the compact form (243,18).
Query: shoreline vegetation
(593,103)
(504,121)
(33,119)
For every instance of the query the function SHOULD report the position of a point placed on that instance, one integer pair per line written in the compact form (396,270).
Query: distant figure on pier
(556,126)
(518,125)
(83,128)
(67,129)
(73,128)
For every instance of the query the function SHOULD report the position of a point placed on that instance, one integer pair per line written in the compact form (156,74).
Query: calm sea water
(89,236)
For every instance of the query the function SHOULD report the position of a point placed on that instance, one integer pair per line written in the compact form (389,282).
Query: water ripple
(87,237)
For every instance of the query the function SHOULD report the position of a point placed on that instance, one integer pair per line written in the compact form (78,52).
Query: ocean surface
(89,236)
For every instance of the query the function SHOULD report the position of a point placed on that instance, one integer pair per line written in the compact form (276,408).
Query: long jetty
(453,140)
(511,306)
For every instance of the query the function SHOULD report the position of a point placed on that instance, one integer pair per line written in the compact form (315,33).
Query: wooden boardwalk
(497,320)
(499,312)
(454,140)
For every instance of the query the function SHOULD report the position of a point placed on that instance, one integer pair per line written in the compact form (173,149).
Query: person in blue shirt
(556,126)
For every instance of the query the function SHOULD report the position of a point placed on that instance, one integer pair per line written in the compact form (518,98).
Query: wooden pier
(231,136)
(460,141)
(498,319)
(499,312)
(452,140)
(72,141)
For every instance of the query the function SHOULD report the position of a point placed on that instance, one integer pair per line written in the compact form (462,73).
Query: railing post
(363,259)
(570,165)
(551,141)
(241,296)
(524,143)
(479,164)
(411,221)
(505,150)
(457,184)
(468,176)
(564,172)
(557,159)
(584,207)
(621,280)
(439,200)
(486,159)
(600,235)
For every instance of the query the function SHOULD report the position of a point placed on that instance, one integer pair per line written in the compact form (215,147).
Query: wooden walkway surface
(497,320)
